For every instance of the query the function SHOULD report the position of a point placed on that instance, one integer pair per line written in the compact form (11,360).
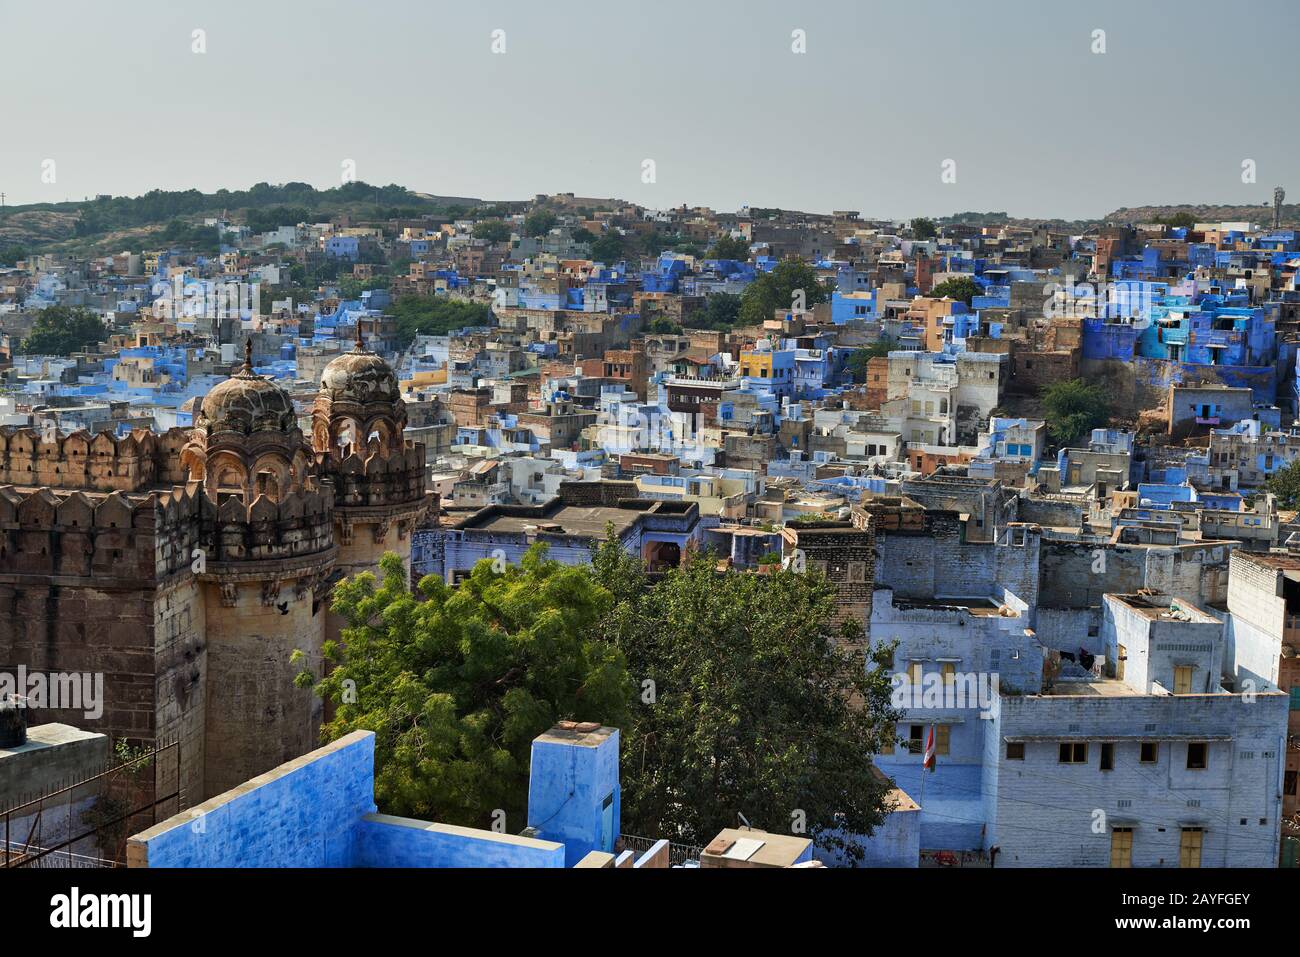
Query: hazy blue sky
(709,89)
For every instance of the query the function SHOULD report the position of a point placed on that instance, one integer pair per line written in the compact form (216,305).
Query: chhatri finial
(248,356)
(361,343)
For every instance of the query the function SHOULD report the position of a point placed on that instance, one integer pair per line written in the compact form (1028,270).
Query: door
(607,824)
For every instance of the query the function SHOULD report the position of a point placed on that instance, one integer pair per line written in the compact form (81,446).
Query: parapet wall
(148,538)
(102,462)
(375,478)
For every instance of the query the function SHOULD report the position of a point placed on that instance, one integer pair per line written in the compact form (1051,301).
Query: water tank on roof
(13,722)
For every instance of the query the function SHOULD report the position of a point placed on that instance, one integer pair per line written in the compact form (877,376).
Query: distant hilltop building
(187,567)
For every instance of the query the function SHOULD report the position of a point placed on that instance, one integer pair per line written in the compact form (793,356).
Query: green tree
(663,326)
(776,290)
(923,228)
(583,235)
(728,248)
(539,222)
(1073,409)
(456,682)
(435,316)
(858,360)
(609,248)
(752,701)
(63,330)
(721,311)
(1179,220)
(1285,484)
(958,287)
(11,253)
(493,230)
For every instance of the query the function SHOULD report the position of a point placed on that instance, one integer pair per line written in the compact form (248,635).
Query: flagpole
(925,759)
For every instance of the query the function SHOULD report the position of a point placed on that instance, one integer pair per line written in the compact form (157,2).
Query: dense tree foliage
(435,316)
(539,222)
(923,228)
(751,700)
(1285,484)
(734,693)
(721,311)
(958,287)
(1073,409)
(11,253)
(493,230)
(107,213)
(611,247)
(728,248)
(456,683)
(776,290)
(63,330)
(859,358)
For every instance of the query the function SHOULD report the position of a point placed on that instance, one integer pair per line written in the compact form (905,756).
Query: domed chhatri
(246,403)
(361,377)
(246,438)
(359,399)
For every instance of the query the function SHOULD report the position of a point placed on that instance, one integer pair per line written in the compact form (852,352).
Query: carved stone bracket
(229,594)
(271,591)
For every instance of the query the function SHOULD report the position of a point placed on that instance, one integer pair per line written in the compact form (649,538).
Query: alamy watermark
(206,299)
(59,690)
(956,690)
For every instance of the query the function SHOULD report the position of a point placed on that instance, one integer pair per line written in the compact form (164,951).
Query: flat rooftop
(1165,608)
(568,520)
(1099,688)
(983,607)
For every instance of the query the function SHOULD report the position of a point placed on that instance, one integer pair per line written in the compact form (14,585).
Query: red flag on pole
(928,761)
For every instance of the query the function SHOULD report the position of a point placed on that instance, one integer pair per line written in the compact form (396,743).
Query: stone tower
(378,477)
(267,551)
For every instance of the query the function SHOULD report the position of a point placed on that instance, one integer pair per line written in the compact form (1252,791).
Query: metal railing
(678,854)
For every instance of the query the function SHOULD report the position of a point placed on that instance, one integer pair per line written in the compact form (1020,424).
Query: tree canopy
(721,311)
(751,700)
(457,682)
(1073,409)
(435,316)
(539,222)
(63,330)
(858,359)
(727,247)
(493,230)
(734,693)
(923,228)
(776,290)
(1285,484)
(958,287)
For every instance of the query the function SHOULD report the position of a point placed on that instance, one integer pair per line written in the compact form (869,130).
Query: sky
(112,97)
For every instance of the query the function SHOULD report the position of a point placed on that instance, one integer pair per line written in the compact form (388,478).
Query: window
(1075,752)
(1121,847)
(914,672)
(1189,847)
(915,742)
(1107,756)
(1183,679)
(1196,755)
(949,670)
(1295,698)
(941,737)
(1289,783)
(1150,752)
(887,745)
(1015,750)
